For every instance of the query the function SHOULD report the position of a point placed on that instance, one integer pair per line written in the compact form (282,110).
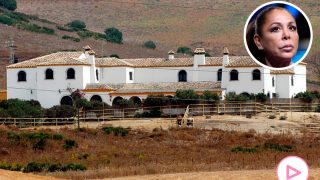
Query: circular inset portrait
(278,35)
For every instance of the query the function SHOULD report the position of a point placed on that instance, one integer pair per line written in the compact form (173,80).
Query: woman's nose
(286,34)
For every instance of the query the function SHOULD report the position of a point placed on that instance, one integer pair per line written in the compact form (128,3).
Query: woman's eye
(293,28)
(275,29)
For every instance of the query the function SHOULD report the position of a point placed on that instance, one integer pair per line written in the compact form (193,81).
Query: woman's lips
(287,48)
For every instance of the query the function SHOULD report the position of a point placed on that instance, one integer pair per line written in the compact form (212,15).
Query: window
(49,74)
(97,74)
(130,76)
(272,81)
(219,74)
(234,75)
(256,74)
(182,76)
(71,73)
(292,83)
(22,76)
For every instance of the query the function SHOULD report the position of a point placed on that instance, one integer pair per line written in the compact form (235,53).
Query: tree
(113,35)
(156,100)
(186,96)
(9,4)
(150,45)
(209,96)
(184,50)
(77,24)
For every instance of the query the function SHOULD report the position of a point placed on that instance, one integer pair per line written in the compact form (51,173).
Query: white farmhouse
(50,79)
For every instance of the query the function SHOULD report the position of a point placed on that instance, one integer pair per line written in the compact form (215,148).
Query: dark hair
(255,27)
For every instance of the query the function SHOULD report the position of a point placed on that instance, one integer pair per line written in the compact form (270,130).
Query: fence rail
(234,108)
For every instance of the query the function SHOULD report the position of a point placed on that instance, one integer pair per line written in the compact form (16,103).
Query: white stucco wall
(245,83)
(300,79)
(21,90)
(128,70)
(113,75)
(166,74)
(50,91)
(283,85)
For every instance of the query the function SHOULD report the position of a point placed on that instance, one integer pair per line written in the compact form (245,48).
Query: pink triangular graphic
(296,172)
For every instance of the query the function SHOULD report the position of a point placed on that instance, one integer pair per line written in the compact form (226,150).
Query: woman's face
(279,38)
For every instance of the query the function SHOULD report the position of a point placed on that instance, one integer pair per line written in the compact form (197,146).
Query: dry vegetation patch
(159,151)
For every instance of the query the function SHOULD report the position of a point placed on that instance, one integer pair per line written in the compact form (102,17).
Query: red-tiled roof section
(287,71)
(157,87)
(242,61)
(64,58)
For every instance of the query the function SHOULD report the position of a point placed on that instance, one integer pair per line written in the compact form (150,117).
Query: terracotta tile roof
(71,58)
(160,62)
(111,62)
(99,86)
(62,58)
(213,61)
(287,71)
(157,87)
(242,61)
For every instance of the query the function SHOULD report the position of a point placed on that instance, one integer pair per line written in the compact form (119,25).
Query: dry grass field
(155,150)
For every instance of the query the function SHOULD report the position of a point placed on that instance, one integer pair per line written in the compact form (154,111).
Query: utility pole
(10,45)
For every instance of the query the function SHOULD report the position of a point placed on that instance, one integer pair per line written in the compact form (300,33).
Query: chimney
(225,56)
(90,55)
(199,57)
(171,55)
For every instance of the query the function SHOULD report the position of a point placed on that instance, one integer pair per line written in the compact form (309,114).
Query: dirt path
(13,175)
(314,174)
(220,175)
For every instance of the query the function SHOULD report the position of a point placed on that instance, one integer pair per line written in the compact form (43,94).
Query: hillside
(171,24)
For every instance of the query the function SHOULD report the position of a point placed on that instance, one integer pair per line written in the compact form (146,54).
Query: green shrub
(150,45)
(54,167)
(13,167)
(317,109)
(9,4)
(85,34)
(113,35)
(272,116)
(154,112)
(75,167)
(35,28)
(261,97)
(115,55)
(13,137)
(57,136)
(69,143)
(184,50)
(283,117)
(35,167)
(62,28)
(209,96)
(278,147)
(241,149)
(39,145)
(6,20)
(116,130)
(77,24)
(307,96)
(60,111)
(71,38)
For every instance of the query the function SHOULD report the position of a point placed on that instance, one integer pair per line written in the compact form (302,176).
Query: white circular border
(297,157)
(245,34)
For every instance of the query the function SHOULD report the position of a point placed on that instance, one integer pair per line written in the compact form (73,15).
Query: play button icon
(292,168)
(292,172)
